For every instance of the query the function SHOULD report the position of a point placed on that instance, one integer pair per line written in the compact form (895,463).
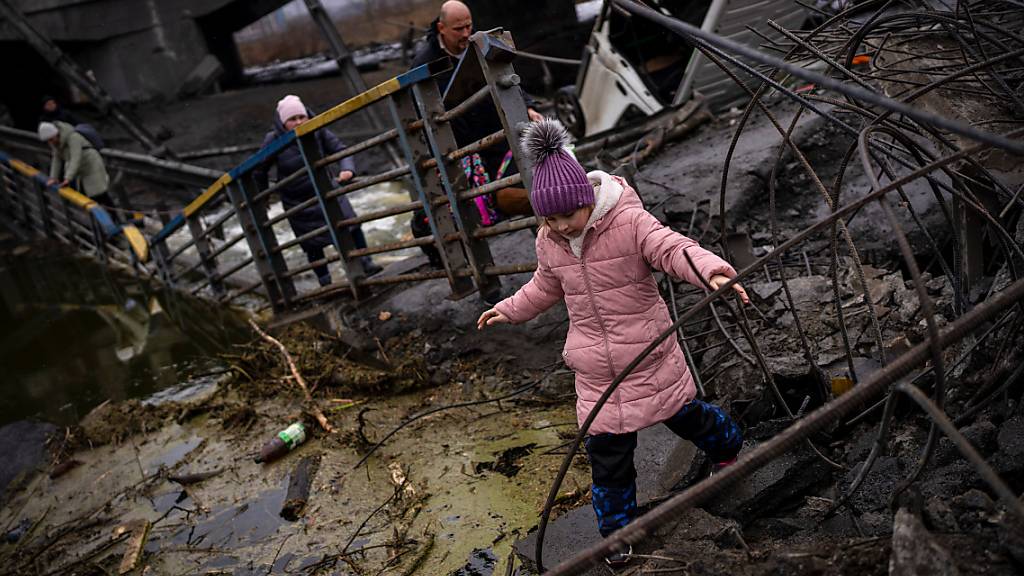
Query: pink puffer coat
(615,310)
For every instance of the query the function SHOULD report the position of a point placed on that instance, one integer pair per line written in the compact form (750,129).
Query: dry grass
(381,23)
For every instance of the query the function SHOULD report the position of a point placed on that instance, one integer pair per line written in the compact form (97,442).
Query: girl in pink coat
(595,250)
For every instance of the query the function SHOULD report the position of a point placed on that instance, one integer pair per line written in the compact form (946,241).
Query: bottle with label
(285,441)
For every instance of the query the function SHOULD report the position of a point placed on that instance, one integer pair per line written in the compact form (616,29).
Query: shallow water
(378,232)
(76,335)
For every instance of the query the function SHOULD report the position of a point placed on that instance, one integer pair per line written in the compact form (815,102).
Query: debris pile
(905,157)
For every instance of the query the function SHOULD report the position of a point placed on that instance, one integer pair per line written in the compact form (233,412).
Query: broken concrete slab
(873,494)
(661,460)
(778,485)
(1010,458)
(565,537)
(915,552)
(981,435)
(202,77)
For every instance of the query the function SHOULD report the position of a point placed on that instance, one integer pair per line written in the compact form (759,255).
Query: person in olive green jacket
(75,162)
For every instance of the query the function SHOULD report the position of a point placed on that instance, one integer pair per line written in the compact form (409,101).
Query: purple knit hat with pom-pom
(560,184)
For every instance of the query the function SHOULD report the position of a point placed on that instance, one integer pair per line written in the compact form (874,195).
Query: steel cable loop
(954,281)
(762,363)
(963,357)
(854,254)
(805,345)
(984,56)
(832,63)
(924,301)
(959,298)
(866,29)
(839,176)
(681,337)
(699,306)
(720,45)
(788,439)
(755,100)
(845,126)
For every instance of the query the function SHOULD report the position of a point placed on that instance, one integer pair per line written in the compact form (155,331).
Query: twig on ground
(313,408)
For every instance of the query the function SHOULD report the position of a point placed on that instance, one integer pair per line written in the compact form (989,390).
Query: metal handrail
(103,219)
(422,130)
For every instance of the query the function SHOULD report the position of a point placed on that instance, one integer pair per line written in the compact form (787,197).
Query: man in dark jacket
(290,113)
(54,112)
(448,37)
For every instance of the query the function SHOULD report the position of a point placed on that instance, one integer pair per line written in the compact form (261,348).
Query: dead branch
(313,408)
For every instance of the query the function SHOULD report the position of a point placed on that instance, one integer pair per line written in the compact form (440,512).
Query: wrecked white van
(633,68)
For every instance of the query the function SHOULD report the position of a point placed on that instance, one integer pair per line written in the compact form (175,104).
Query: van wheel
(567,109)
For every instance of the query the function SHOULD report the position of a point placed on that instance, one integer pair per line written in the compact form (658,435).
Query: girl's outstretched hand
(718,280)
(492,316)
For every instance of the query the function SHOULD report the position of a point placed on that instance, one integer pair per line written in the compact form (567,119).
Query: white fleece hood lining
(606,195)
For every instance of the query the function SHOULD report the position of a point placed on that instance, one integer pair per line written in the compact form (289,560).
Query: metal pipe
(464,106)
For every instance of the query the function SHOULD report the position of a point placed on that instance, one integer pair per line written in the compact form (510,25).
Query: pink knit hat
(560,184)
(290,106)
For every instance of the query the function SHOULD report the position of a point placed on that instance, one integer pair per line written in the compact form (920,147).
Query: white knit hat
(47,130)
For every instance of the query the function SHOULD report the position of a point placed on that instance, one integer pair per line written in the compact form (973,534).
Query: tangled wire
(924,90)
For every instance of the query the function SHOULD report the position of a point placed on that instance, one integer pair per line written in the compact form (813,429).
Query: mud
(454,511)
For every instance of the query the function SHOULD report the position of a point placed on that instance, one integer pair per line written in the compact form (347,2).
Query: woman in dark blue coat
(290,113)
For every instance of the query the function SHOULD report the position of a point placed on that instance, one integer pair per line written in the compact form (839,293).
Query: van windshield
(659,56)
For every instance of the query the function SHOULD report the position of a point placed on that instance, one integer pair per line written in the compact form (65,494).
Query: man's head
(49,104)
(454,25)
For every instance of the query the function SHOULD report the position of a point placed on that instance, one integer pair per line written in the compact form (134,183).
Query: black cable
(720,44)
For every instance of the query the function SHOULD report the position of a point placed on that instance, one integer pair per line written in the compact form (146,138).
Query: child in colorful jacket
(595,250)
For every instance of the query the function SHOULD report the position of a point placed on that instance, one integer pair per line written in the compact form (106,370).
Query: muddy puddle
(448,494)
(474,483)
(76,335)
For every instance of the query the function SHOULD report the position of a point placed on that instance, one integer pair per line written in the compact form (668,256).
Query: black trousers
(613,492)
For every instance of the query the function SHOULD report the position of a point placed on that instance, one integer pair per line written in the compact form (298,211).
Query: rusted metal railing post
(32,211)
(331,209)
(161,254)
(45,223)
(99,240)
(428,188)
(270,264)
(5,189)
(495,54)
(441,140)
(209,263)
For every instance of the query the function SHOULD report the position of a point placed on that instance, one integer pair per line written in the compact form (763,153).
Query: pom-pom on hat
(560,184)
(290,106)
(47,130)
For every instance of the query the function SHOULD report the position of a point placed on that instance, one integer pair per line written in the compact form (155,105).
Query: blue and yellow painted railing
(138,243)
(354,104)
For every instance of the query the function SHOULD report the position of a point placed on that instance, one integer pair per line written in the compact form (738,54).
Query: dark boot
(619,558)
